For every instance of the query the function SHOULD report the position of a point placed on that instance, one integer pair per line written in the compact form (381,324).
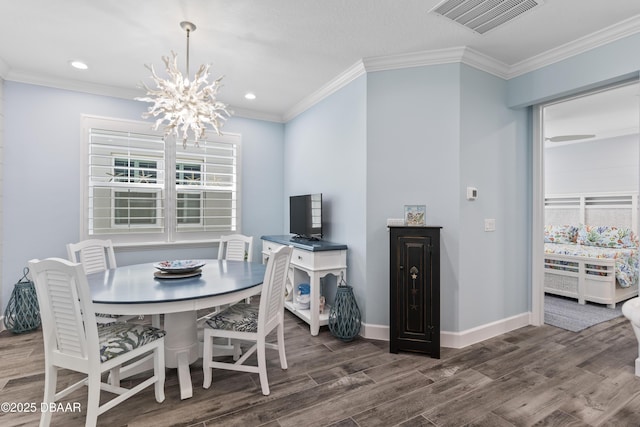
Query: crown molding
(485,63)
(602,37)
(414,59)
(115,92)
(74,85)
(462,54)
(465,55)
(335,84)
(247,113)
(472,58)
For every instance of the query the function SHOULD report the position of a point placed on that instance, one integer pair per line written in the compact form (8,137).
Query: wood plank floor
(541,376)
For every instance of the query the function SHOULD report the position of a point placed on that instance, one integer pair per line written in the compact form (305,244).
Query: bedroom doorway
(586,159)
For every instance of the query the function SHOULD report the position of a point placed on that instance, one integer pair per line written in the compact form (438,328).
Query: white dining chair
(236,247)
(97,255)
(246,322)
(73,340)
(233,247)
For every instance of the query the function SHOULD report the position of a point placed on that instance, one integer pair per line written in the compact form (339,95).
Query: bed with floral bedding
(591,263)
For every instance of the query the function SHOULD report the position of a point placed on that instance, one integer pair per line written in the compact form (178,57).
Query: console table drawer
(319,260)
(268,247)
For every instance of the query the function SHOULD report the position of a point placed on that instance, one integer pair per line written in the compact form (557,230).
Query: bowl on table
(182,266)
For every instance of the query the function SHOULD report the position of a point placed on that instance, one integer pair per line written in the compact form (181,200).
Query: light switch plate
(489,224)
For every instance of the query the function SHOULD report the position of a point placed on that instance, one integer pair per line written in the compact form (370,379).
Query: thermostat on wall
(472,193)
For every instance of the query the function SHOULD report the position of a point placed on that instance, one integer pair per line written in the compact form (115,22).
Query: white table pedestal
(181,347)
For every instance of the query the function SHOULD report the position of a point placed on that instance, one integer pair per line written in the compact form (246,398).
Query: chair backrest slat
(271,299)
(67,316)
(236,247)
(95,255)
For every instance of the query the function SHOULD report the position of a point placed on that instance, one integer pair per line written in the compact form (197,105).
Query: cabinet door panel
(414,307)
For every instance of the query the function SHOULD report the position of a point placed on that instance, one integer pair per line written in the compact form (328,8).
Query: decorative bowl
(179,266)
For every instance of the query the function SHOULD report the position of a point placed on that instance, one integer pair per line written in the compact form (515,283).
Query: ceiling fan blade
(564,138)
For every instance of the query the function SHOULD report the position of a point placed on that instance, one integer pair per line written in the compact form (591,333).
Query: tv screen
(305,216)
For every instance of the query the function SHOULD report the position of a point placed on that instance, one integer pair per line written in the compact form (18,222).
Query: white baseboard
(484,332)
(458,339)
(374,332)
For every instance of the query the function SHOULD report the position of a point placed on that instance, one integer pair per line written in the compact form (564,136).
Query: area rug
(567,314)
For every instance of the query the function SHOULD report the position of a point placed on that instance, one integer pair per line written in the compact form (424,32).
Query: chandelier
(186,106)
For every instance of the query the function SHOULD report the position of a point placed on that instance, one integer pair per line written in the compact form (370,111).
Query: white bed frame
(573,280)
(617,209)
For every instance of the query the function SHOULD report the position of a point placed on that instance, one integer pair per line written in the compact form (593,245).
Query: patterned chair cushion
(103,319)
(240,317)
(118,338)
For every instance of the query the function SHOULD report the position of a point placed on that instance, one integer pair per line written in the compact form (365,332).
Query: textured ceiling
(283,50)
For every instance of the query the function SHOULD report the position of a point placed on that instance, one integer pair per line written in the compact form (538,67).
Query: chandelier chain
(188,32)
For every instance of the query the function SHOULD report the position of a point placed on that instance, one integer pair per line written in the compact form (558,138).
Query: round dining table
(135,290)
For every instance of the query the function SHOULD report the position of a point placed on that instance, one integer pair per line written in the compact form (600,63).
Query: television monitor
(305,216)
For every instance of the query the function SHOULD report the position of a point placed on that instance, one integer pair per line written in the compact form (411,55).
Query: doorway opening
(586,169)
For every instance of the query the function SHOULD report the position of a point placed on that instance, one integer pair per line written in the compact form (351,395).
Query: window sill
(135,247)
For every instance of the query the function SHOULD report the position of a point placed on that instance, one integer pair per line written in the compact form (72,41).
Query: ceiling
(282,50)
(603,114)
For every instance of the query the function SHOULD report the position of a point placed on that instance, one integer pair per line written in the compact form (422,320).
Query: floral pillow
(560,233)
(607,236)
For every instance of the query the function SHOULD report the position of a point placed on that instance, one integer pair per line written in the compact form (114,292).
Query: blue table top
(306,244)
(136,284)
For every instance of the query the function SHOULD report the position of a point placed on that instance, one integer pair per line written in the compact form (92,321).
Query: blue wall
(41,196)
(598,67)
(325,152)
(494,148)
(413,128)
(430,131)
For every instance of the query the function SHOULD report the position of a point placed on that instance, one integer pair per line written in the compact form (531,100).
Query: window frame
(158,209)
(172,233)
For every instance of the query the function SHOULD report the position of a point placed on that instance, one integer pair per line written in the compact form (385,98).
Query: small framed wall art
(414,215)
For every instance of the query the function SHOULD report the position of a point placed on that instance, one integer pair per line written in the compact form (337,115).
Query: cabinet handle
(414,272)
(401,267)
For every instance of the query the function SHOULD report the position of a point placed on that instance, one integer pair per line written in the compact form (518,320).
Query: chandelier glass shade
(188,107)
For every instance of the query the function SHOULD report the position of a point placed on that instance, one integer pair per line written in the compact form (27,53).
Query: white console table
(314,259)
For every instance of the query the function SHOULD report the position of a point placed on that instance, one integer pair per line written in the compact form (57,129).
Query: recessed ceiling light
(250,96)
(78,64)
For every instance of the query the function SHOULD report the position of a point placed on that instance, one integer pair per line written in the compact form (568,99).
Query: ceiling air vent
(484,15)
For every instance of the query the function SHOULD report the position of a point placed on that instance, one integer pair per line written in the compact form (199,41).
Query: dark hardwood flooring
(542,376)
